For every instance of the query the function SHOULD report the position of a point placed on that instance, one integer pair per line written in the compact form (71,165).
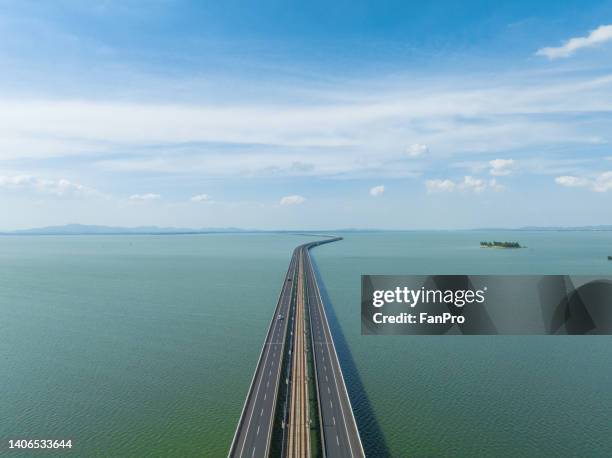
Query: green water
(146,345)
(134,346)
(474,395)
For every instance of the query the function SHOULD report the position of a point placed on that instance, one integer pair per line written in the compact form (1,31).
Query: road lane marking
(258,426)
(328,331)
(261,412)
(267,351)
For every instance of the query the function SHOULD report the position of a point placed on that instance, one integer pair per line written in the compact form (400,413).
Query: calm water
(145,345)
(473,395)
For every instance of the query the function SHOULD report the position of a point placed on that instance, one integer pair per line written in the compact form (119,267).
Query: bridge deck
(339,433)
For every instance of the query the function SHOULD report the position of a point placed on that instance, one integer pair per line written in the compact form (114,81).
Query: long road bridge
(297,404)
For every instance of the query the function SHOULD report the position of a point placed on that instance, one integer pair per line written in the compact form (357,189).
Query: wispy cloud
(603,182)
(253,125)
(570,181)
(495,186)
(60,188)
(501,167)
(200,198)
(434,186)
(416,150)
(472,184)
(468,183)
(595,37)
(292,200)
(377,190)
(274,138)
(598,183)
(144,197)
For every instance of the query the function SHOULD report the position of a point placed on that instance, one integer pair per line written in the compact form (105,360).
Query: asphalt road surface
(340,436)
(339,429)
(254,431)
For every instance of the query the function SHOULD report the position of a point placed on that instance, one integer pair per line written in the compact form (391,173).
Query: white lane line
(328,390)
(330,404)
(328,332)
(334,418)
(337,441)
(326,379)
(267,354)
(253,454)
(267,351)
(258,426)
(261,412)
(265,396)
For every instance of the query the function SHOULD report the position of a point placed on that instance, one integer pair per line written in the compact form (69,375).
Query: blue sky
(306,115)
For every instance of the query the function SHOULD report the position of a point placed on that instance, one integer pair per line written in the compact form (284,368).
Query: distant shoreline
(80,229)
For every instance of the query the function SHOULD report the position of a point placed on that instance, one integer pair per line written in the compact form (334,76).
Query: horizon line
(94,229)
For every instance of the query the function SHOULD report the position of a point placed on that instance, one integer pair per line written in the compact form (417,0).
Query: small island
(609,258)
(500,245)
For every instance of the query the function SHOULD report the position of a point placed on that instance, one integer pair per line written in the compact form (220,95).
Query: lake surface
(146,345)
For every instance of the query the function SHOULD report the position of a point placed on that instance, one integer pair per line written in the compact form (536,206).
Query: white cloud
(60,188)
(356,133)
(571,181)
(472,184)
(598,183)
(377,190)
(439,186)
(603,182)
(468,183)
(501,167)
(495,186)
(200,198)
(273,138)
(600,35)
(596,140)
(144,197)
(417,149)
(292,200)
(17,180)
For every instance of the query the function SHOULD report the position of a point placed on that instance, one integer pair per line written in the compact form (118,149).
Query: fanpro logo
(413,297)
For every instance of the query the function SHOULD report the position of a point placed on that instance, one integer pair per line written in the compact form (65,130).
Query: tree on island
(500,245)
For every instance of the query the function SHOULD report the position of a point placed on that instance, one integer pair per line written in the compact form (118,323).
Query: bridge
(297,404)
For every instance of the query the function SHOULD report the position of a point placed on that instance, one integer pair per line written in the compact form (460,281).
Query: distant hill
(563,228)
(548,228)
(83,229)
